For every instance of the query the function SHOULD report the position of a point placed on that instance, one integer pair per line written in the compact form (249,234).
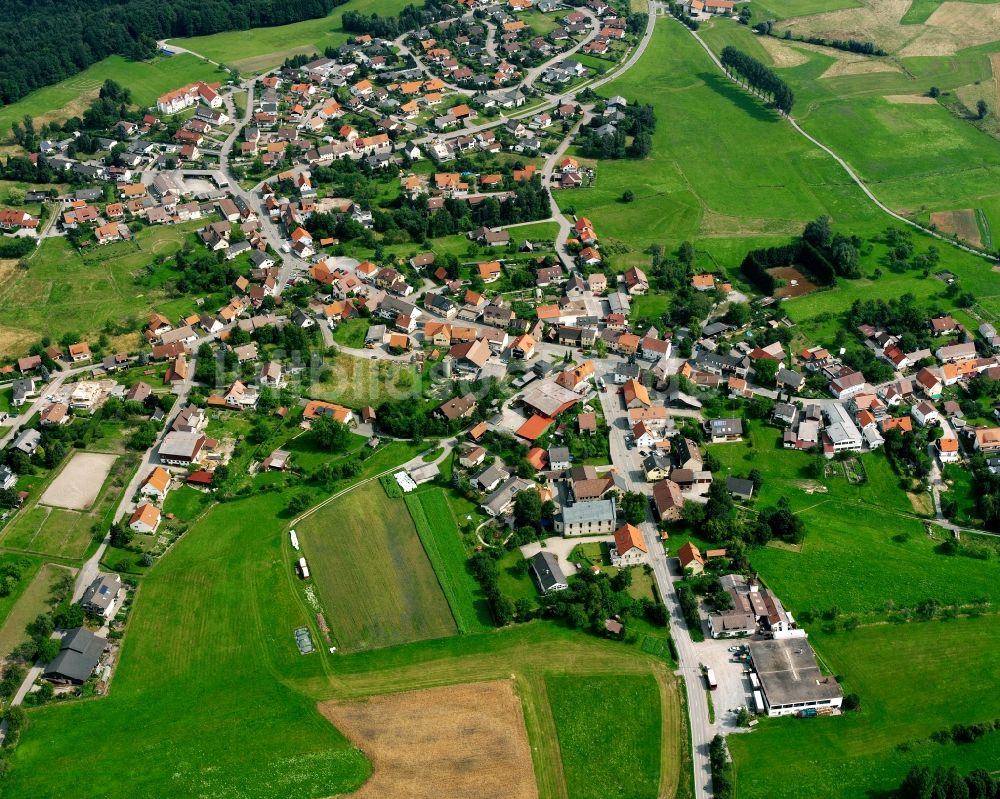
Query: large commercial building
(790,680)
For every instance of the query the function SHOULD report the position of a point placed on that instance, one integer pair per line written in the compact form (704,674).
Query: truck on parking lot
(710,679)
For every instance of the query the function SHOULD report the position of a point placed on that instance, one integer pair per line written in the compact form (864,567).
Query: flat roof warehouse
(790,677)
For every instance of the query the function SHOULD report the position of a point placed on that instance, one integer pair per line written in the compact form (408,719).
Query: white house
(629,548)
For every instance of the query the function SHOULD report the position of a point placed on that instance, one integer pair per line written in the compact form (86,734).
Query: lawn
(863,551)
(146,79)
(210,672)
(356,382)
(363,540)
(204,673)
(186,502)
(752,177)
(260,49)
(604,723)
(61,292)
(351,333)
(437,527)
(913,680)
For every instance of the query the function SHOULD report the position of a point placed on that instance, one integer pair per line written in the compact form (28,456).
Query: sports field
(439,744)
(435,522)
(604,723)
(62,292)
(914,680)
(863,551)
(366,540)
(146,79)
(260,49)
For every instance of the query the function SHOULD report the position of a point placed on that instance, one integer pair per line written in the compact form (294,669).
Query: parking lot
(734,686)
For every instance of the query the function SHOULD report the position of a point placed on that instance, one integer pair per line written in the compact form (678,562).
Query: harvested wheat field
(796,284)
(910,99)
(958,223)
(781,53)
(876,21)
(453,742)
(858,65)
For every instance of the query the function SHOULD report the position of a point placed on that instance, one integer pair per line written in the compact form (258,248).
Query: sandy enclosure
(78,485)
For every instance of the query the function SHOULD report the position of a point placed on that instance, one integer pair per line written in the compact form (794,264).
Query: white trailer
(303,568)
(295,540)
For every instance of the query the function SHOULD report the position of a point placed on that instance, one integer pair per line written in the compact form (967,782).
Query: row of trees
(825,255)
(45,41)
(848,45)
(758,77)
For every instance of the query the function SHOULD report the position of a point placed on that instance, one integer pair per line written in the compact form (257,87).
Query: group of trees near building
(45,41)
(752,73)
(820,252)
(410,18)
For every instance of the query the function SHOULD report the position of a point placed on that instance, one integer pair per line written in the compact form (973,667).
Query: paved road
(702,731)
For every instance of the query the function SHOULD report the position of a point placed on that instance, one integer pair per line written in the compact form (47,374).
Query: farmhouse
(790,679)
(691,560)
(629,548)
(157,483)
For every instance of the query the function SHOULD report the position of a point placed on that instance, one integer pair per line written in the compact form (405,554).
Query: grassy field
(752,177)
(51,531)
(261,49)
(604,723)
(366,540)
(906,678)
(33,600)
(210,672)
(351,333)
(863,552)
(357,382)
(61,292)
(31,567)
(435,522)
(146,79)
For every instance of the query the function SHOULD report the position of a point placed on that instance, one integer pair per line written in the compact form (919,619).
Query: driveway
(561,547)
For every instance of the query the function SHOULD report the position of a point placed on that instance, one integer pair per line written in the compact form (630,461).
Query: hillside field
(146,79)
(261,49)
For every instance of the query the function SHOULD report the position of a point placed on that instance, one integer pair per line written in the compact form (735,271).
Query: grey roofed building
(7,477)
(790,678)
(714,328)
(22,391)
(738,487)
(375,335)
(787,378)
(585,518)
(559,457)
(101,596)
(27,441)
(548,573)
(181,448)
(491,477)
(725,428)
(79,653)
(501,500)
(548,397)
(786,413)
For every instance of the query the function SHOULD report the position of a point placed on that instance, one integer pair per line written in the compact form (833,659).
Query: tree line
(758,77)
(920,783)
(848,45)
(45,41)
